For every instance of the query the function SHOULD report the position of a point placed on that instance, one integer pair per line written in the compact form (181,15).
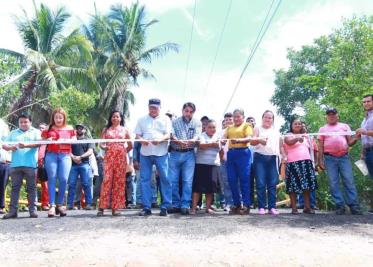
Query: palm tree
(51,61)
(119,41)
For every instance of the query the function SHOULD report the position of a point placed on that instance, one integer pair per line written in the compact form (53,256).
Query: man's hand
(145,143)
(136,165)
(361,131)
(22,145)
(13,148)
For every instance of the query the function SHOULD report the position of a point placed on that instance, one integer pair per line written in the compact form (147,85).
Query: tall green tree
(53,61)
(120,54)
(335,70)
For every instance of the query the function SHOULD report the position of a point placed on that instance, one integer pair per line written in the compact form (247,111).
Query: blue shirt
(24,157)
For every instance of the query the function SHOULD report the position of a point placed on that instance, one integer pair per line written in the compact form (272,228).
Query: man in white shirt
(5,157)
(153,131)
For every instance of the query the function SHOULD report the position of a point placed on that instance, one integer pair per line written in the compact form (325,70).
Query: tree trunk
(119,102)
(24,100)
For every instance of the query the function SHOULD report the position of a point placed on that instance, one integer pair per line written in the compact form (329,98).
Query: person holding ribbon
(115,164)
(239,162)
(57,159)
(334,141)
(300,173)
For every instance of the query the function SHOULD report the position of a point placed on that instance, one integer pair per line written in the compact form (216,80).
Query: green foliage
(10,67)
(334,71)
(75,102)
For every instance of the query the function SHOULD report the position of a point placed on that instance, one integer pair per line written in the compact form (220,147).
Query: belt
(238,148)
(328,154)
(181,150)
(368,149)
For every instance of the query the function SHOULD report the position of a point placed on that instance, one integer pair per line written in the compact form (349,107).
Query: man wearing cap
(185,132)
(153,131)
(80,154)
(334,157)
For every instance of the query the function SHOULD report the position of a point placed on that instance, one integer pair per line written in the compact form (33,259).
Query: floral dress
(115,164)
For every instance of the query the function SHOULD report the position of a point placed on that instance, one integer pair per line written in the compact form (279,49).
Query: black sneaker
(235,210)
(163,212)
(340,211)
(174,210)
(33,215)
(10,216)
(145,213)
(184,211)
(370,211)
(356,211)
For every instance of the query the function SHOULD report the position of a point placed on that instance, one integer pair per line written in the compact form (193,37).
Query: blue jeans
(58,166)
(337,167)
(226,189)
(4,176)
(238,169)
(182,163)
(369,162)
(83,171)
(146,171)
(266,175)
(138,194)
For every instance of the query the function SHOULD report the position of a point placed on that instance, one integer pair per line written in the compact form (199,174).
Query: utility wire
(260,36)
(190,49)
(217,49)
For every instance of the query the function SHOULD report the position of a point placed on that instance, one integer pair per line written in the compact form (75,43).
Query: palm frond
(159,51)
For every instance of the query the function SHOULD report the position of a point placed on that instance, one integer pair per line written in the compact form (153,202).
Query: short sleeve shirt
(208,156)
(80,149)
(235,132)
(55,134)
(150,128)
(24,157)
(335,145)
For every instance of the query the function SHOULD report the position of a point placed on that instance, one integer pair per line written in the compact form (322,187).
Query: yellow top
(242,131)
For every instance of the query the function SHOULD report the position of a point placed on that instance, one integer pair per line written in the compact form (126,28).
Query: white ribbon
(98,141)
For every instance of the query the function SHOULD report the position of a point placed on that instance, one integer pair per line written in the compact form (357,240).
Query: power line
(254,48)
(217,48)
(190,49)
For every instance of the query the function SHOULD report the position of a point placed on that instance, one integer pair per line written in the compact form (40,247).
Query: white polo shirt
(5,156)
(150,128)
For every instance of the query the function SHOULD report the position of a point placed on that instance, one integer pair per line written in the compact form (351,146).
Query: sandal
(294,212)
(210,211)
(192,212)
(115,213)
(100,212)
(52,212)
(61,211)
(308,211)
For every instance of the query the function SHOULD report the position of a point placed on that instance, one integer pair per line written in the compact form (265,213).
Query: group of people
(188,157)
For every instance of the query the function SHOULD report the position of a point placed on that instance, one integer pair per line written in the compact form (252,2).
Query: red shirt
(55,134)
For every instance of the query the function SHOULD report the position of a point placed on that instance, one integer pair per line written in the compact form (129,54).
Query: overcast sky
(297,23)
